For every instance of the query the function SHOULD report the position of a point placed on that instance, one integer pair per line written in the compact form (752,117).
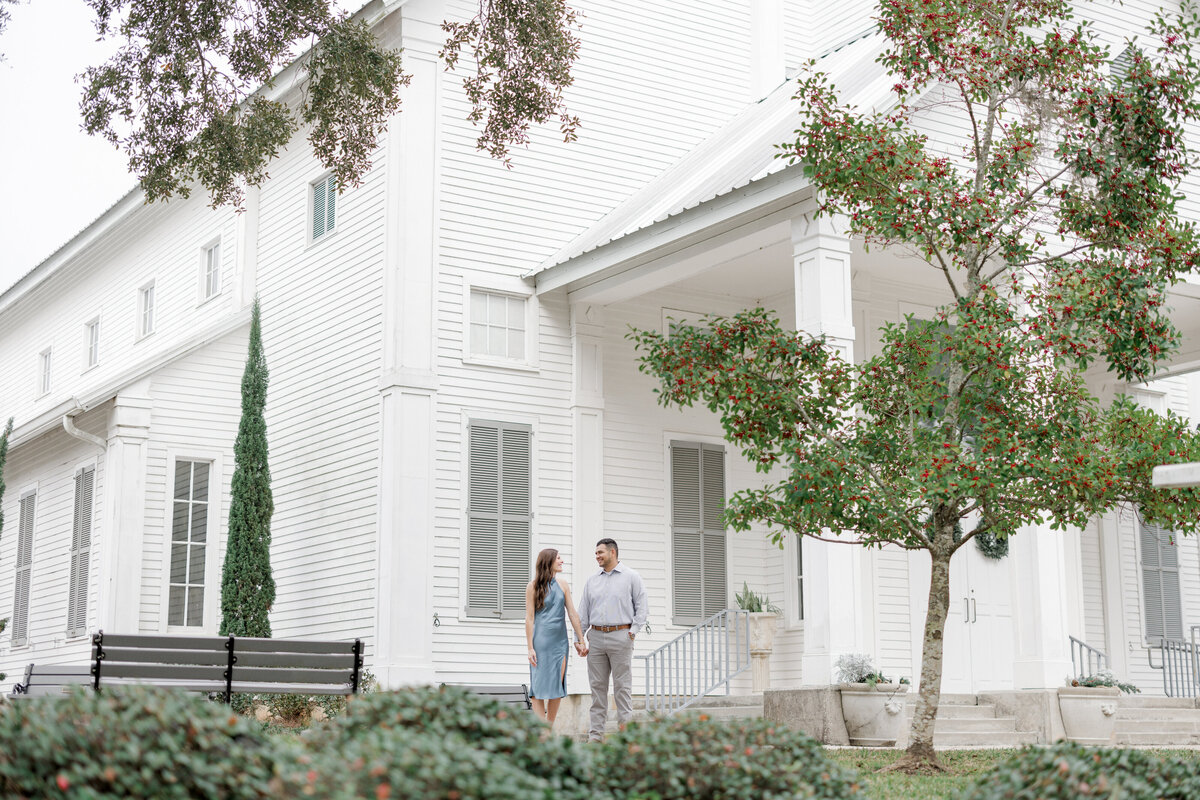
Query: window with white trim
(20,615)
(44,359)
(1160,583)
(81,549)
(324,195)
(499,518)
(498,327)
(211,279)
(146,310)
(91,335)
(189,544)
(698,564)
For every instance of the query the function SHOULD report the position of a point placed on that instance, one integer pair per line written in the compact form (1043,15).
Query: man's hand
(532,657)
(632,635)
(582,649)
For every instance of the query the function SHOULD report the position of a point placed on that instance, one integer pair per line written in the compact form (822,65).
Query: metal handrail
(1083,656)
(698,662)
(1180,665)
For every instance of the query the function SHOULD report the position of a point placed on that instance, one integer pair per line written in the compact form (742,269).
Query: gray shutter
(687,556)
(483,520)
(81,547)
(712,494)
(1160,583)
(20,615)
(516,518)
(318,210)
(330,203)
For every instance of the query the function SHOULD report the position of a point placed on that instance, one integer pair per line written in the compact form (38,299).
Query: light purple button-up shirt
(614,598)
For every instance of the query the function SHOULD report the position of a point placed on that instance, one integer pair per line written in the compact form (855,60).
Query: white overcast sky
(56,178)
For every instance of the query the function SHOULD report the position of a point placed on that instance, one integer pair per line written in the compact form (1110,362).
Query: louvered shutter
(20,615)
(499,518)
(330,204)
(81,548)
(516,505)
(712,494)
(687,549)
(318,229)
(1160,583)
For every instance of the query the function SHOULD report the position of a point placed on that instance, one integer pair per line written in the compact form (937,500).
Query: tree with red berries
(1055,228)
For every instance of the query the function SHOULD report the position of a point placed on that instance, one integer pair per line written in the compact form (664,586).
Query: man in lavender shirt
(612,611)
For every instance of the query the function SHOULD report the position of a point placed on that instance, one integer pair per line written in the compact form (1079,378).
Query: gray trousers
(609,654)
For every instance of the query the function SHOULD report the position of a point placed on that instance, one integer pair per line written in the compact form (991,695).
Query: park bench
(516,694)
(212,664)
(227,664)
(48,679)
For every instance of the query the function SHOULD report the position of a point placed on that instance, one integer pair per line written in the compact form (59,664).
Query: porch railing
(698,662)
(1180,664)
(1085,659)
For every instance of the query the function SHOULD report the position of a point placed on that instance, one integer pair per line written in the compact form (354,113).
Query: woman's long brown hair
(543,574)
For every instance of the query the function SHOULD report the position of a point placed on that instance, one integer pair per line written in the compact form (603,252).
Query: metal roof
(744,150)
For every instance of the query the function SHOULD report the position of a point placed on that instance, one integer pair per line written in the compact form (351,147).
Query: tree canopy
(188,97)
(1054,225)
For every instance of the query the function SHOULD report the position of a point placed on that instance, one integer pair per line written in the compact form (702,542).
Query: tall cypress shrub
(247,588)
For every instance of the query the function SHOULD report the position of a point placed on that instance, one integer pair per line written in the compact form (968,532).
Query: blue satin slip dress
(548,680)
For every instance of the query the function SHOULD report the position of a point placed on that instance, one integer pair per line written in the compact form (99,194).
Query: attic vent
(1123,63)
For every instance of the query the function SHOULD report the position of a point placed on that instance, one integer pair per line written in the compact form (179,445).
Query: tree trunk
(920,756)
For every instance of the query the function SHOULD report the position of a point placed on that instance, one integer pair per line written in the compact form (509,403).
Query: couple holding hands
(612,611)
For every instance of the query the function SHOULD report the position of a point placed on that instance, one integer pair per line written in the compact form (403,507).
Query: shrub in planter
(691,757)
(405,763)
(463,721)
(131,742)
(1072,772)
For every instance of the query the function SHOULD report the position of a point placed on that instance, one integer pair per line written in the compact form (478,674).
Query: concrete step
(1125,726)
(958,712)
(982,739)
(1151,701)
(1157,739)
(951,727)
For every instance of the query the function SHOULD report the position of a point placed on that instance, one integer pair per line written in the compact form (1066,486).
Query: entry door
(979,628)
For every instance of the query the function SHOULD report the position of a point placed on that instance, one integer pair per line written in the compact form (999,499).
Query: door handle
(966,611)
(973,609)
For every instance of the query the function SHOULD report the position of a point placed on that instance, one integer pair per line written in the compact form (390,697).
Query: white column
(123,525)
(767,63)
(403,652)
(245,277)
(587,414)
(1116,638)
(1044,574)
(836,595)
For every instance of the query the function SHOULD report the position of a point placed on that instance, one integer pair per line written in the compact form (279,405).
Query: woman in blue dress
(547,605)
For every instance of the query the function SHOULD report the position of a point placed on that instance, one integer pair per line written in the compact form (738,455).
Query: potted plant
(763,620)
(872,705)
(1089,707)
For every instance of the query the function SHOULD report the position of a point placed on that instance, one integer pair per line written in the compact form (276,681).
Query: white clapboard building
(452,390)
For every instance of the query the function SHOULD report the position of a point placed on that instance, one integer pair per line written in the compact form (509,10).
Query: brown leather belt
(610,628)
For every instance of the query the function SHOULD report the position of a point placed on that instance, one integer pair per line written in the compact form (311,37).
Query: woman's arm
(571,614)
(529,624)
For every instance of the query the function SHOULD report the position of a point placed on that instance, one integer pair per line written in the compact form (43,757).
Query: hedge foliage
(693,758)
(132,742)
(459,722)
(1068,771)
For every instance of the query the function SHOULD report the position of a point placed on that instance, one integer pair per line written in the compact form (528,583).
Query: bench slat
(217,643)
(156,672)
(211,657)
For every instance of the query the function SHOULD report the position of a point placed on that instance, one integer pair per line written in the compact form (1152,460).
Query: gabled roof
(743,151)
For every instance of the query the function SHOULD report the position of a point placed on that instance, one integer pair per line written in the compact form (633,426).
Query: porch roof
(742,153)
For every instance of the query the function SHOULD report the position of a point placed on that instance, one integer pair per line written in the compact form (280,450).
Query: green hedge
(1072,772)
(463,722)
(694,758)
(131,742)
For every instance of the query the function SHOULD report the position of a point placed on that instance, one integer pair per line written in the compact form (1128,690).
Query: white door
(979,628)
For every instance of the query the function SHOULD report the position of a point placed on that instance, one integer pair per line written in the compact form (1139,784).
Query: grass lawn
(962,767)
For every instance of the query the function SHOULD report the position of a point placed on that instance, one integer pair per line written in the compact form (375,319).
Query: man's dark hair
(611,543)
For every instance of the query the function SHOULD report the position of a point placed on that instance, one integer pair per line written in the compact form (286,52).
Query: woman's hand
(532,657)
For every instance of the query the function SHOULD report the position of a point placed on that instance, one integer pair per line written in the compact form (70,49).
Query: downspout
(69,426)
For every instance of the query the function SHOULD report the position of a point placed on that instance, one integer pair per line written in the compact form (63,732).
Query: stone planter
(1089,714)
(874,714)
(762,642)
